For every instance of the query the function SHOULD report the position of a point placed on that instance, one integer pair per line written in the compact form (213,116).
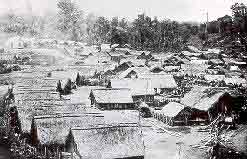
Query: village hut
(216,62)
(121,141)
(207,103)
(193,49)
(210,78)
(123,67)
(133,72)
(232,62)
(235,81)
(118,55)
(160,83)
(135,62)
(112,98)
(48,132)
(174,114)
(105,47)
(141,89)
(15,43)
(145,110)
(156,69)
(171,68)
(194,69)
(145,56)
(189,54)
(199,62)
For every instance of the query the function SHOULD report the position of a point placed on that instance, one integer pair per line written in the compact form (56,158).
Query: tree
(69,18)
(225,24)
(90,22)
(83,82)
(78,79)
(68,87)
(69,142)
(239,11)
(100,30)
(118,33)
(213,27)
(109,85)
(59,87)
(34,134)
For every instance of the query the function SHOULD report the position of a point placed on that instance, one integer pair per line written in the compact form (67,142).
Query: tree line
(237,23)
(143,32)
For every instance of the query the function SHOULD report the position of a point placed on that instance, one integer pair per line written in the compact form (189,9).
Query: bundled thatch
(137,86)
(134,71)
(202,98)
(115,142)
(54,128)
(112,95)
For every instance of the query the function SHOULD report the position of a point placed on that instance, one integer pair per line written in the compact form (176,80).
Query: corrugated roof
(172,109)
(119,95)
(109,142)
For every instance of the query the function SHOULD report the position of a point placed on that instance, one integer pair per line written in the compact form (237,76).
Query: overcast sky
(181,10)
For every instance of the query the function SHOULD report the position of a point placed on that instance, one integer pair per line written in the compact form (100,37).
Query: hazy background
(180,10)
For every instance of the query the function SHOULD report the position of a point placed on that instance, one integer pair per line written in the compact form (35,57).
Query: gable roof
(134,61)
(172,109)
(160,80)
(187,53)
(112,95)
(115,142)
(236,80)
(216,61)
(137,86)
(202,98)
(214,77)
(194,69)
(156,67)
(54,128)
(137,70)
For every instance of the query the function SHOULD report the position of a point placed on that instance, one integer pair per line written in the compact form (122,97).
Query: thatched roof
(114,95)
(54,128)
(134,61)
(160,80)
(172,109)
(109,142)
(194,69)
(202,98)
(137,86)
(120,116)
(236,80)
(137,70)
(214,77)
(216,61)
(4,90)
